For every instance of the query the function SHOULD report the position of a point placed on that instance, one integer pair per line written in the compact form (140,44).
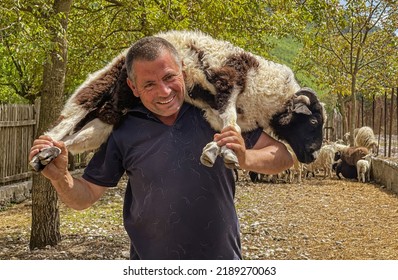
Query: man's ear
(132,87)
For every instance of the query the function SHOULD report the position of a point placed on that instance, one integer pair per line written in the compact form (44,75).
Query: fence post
(37,114)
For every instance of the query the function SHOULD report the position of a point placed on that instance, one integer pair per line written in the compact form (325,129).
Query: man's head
(148,49)
(155,76)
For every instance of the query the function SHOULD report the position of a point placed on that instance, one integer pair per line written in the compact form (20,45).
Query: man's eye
(170,78)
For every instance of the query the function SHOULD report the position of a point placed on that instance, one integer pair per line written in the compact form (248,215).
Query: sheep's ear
(301,103)
(285,119)
(302,109)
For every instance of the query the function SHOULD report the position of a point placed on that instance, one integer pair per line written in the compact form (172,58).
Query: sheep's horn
(302,99)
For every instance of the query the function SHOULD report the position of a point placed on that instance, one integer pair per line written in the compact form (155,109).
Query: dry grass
(319,219)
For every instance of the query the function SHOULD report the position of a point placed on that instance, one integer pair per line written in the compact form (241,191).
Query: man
(174,207)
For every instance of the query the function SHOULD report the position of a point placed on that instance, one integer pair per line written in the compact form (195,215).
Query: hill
(285,51)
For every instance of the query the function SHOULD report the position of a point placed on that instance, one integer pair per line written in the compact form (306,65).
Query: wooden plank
(15,177)
(17,123)
(17,126)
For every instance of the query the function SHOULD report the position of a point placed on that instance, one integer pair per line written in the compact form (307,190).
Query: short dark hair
(148,49)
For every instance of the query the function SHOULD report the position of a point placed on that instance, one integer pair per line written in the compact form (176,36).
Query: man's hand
(233,140)
(57,168)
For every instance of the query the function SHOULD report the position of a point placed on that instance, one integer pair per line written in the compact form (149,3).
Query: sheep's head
(300,124)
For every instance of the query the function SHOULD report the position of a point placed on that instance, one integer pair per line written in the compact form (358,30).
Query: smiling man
(174,207)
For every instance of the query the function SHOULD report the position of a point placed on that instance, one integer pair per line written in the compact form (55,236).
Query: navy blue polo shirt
(174,207)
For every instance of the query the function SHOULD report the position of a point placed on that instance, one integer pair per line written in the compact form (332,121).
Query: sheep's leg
(229,118)
(209,154)
(90,137)
(43,158)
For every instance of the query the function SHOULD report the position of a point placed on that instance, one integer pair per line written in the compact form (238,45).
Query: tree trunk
(45,211)
(391,122)
(353,109)
(373,111)
(385,122)
(343,113)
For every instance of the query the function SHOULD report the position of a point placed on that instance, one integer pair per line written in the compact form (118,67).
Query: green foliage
(350,47)
(286,51)
(100,30)
(299,34)
(25,42)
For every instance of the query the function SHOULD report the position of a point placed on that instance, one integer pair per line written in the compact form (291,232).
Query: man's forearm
(269,160)
(75,192)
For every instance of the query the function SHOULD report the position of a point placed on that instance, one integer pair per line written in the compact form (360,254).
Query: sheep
(348,171)
(348,160)
(297,168)
(365,138)
(363,168)
(351,155)
(232,86)
(323,161)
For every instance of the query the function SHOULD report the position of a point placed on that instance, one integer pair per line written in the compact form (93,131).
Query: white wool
(365,138)
(324,160)
(267,89)
(363,168)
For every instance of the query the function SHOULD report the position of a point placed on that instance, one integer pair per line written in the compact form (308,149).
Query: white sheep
(363,168)
(232,86)
(324,161)
(297,168)
(365,138)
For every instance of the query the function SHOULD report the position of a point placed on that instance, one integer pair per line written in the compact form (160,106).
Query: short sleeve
(106,167)
(252,137)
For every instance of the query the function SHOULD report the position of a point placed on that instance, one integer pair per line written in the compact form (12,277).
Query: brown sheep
(351,155)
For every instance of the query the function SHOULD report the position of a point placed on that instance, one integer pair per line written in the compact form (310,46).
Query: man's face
(160,86)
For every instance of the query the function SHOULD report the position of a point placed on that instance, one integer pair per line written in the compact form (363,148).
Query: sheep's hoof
(43,158)
(209,154)
(230,158)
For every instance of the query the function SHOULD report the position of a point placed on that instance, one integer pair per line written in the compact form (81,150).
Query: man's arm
(76,193)
(268,156)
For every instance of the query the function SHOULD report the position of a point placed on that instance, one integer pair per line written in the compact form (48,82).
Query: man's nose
(164,89)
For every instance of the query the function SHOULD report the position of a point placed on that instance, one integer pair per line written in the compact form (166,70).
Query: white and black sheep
(232,86)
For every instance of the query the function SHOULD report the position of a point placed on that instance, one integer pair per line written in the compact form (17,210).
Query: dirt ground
(317,219)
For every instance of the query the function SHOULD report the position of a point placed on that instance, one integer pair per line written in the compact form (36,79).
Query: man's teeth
(167,101)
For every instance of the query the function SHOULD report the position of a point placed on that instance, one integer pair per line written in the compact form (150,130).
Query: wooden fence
(18,124)
(17,131)
(381,114)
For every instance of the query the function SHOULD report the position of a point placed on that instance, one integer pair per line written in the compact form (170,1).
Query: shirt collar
(140,109)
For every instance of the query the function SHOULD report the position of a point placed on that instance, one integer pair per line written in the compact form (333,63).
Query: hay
(319,219)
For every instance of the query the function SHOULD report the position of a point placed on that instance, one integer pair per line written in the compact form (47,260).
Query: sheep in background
(325,159)
(363,168)
(351,155)
(348,159)
(296,170)
(365,138)
(347,171)
(232,86)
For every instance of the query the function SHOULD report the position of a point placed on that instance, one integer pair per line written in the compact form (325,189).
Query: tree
(353,39)
(23,44)
(45,212)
